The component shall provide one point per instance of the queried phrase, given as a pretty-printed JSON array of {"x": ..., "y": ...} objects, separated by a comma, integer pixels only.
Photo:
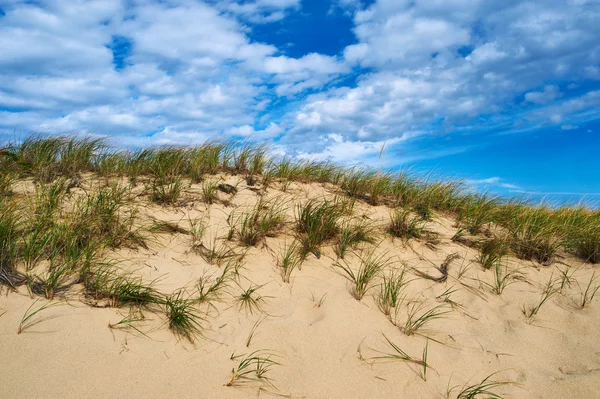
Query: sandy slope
[{"x": 324, "y": 351}]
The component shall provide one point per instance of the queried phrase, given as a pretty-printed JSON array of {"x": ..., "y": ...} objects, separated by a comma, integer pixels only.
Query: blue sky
[{"x": 503, "y": 93}]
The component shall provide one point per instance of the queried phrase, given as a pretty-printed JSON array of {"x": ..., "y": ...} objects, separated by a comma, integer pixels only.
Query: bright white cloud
[{"x": 191, "y": 70}]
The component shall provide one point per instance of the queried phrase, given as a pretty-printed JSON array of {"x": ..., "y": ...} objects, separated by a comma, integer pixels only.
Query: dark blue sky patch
[
  {"x": 314, "y": 29},
  {"x": 2, "y": 12},
  {"x": 121, "y": 48}
]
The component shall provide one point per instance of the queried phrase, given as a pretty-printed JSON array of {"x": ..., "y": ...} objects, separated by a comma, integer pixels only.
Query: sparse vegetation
[
  {"x": 183, "y": 318},
  {"x": 26, "y": 320},
  {"x": 502, "y": 278},
  {"x": 291, "y": 258},
  {"x": 317, "y": 222},
  {"x": 405, "y": 225},
  {"x": 417, "y": 318},
  {"x": 492, "y": 251},
  {"x": 252, "y": 368},
  {"x": 391, "y": 293},
  {"x": 353, "y": 234},
  {"x": 370, "y": 266}
]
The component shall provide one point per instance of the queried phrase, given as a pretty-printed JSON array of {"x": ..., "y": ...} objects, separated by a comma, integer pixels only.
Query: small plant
[
  {"x": 210, "y": 191},
  {"x": 253, "y": 368},
  {"x": 215, "y": 254},
  {"x": 416, "y": 318},
  {"x": 406, "y": 226},
  {"x": 167, "y": 191},
  {"x": 26, "y": 321},
  {"x": 250, "y": 300},
  {"x": 183, "y": 318},
  {"x": 211, "y": 290},
  {"x": 547, "y": 292},
  {"x": 121, "y": 288},
  {"x": 477, "y": 210},
  {"x": 399, "y": 354},
  {"x": 317, "y": 222},
  {"x": 264, "y": 220},
  {"x": 197, "y": 229},
  {"x": 291, "y": 258},
  {"x": 391, "y": 293},
  {"x": 483, "y": 389},
  {"x": 56, "y": 280},
  {"x": 502, "y": 278},
  {"x": 253, "y": 332},
  {"x": 351, "y": 235},
  {"x": 492, "y": 251},
  {"x": 370, "y": 266},
  {"x": 318, "y": 302},
  {"x": 129, "y": 322},
  {"x": 566, "y": 278},
  {"x": 446, "y": 298},
  {"x": 587, "y": 295}
]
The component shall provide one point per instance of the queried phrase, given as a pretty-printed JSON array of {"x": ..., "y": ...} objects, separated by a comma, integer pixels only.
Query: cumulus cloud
[
  {"x": 452, "y": 65},
  {"x": 181, "y": 71}
]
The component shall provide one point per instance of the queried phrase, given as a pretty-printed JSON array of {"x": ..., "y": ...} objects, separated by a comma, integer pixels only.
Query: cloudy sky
[{"x": 504, "y": 93}]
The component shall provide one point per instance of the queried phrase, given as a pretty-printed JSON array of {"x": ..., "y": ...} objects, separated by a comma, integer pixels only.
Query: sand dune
[{"x": 324, "y": 343}]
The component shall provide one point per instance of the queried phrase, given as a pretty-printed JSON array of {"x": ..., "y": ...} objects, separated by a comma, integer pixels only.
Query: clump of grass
[
  {"x": 210, "y": 191},
  {"x": 391, "y": 290},
  {"x": 250, "y": 300},
  {"x": 477, "y": 210},
  {"x": 205, "y": 159},
  {"x": 198, "y": 227},
  {"x": 370, "y": 266},
  {"x": 7, "y": 178},
  {"x": 57, "y": 279},
  {"x": 534, "y": 232},
  {"x": 566, "y": 278},
  {"x": 588, "y": 294},
  {"x": 26, "y": 320},
  {"x": 215, "y": 253},
  {"x": 351, "y": 235},
  {"x": 107, "y": 215},
  {"x": 121, "y": 288},
  {"x": 183, "y": 318},
  {"x": 291, "y": 258},
  {"x": 399, "y": 354},
  {"x": 265, "y": 219},
  {"x": 317, "y": 222},
  {"x": 502, "y": 278},
  {"x": 484, "y": 389},
  {"x": 492, "y": 251},
  {"x": 129, "y": 322},
  {"x": 417, "y": 318},
  {"x": 211, "y": 290},
  {"x": 547, "y": 292},
  {"x": 318, "y": 302},
  {"x": 252, "y": 368},
  {"x": 9, "y": 245},
  {"x": 406, "y": 226},
  {"x": 48, "y": 199},
  {"x": 166, "y": 190},
  {"x": 583, "y": 233}
]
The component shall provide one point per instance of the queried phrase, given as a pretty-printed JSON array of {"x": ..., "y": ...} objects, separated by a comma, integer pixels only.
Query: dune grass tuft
[
  {"x": 370, "y": 266},
  {"x": 184, "y": 319},
  {"x": 405, "y": 225},
  {"x": 253, "y": 368},
  {"x": 317, "y": 222},
  {"x": 417, "y": 318}
]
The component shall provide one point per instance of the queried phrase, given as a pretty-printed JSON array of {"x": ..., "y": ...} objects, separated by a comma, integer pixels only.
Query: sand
[{"x": 325, "y": 341}]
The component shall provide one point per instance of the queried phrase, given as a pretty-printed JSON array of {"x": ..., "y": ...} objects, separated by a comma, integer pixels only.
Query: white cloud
[{"x": 193, "y": 71}]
